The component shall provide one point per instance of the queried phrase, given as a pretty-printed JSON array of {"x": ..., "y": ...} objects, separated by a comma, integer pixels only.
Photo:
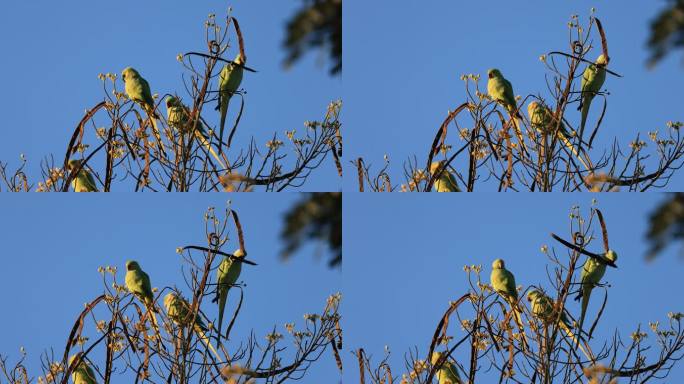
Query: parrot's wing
[
  {"x": 509, "y": 280},
  {"x": 146, "y": 285},
  {"x": 508, "y": 92},
  {"x": 587, "y": 77},
  {"x": 146, "y": 92},
  {"x": 91, "y": 182}
]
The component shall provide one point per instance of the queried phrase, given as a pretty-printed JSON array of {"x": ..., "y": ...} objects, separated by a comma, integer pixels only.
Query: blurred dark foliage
[
  {"x": 318, "y": 24},
  {"x": 317, "y": 217},
  {"x": 666, "y": 224},
  {"x": 667, "y": 31}
]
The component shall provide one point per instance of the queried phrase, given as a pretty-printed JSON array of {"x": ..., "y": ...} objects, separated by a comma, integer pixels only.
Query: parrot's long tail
[
  {"x": 585, "y": 304},
  {"x": 222, "y": 306},
  {"x": 205, "y": 340},
  {"x": 585, "y": 112},
  {"x": 519, "y": 322},
  {"x": 518, "y": 132},
  {"x": 572, "y": 149},
  {"x": 225, "y": 100},
  {"x": 203, "y": 140},
  {"x": 575, "y": 340},
  {"x": 155, "y": 326},
  {"x": 155, "y": 129}
]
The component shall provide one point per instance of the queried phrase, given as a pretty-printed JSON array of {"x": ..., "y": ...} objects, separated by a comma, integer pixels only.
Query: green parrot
[
  {"x": 503, "y": 282},
  {"x": 83, "y": 373},
  {"x": 592, "y": 81},
  {"x": 592, "y": 273},
  {"x": 446, "y": 181},
  {"x": 138, "y": 283},
  {"x": 448, "y": 373},
  {"x": 178, "y": 117},
  {"x": 501, "y": 91},
  {"x": 229, "y": 82},
  {"x": 138, "y": 90},
  {"x": 227, "y": 274},
  {"x": 544, "y": 310},
  {"x": 543, "y": 121},
  {"x": 178, "y": 310},
  {"x": 83, "y": 181}
]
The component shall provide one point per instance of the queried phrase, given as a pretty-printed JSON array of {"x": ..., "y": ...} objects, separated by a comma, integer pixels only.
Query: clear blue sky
[
  {"x": 406, "y": 253},
  {"x": 403, "y": 66},
  {"x": 51, "y": 255},
  {"x": 54, "y": 52}
]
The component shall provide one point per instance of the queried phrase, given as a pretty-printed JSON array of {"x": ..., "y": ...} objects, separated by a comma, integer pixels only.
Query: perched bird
[
  {"x": 503, "y": 282},
  {"x": 543, "y": 121},
  {"x": 226, "y": 276},
  {"x": 138, "y": 283},
  {"x": 544, "y": 310},
  {"x": 592, "y": 273},
  {"x": 501, "y": 91},
  {"x": 84, "y": 180},
  {"x": 448, "y": 373},
  {"x": 178, "y": 117},
  {"x": 138, "y": 90},
  {"x": 592, "y": 81},
  {"x": 446, "y": 181},
  {"x": 83, "y": 373},
  {"x": 229, "y": 82},
  {"x": 178, "y": 310}
]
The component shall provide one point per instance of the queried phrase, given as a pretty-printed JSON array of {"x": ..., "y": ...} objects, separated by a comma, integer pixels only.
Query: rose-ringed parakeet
[
  {"x": 544, "y": 310},
  {"x": 592, "y": 273},
  {"x": 543, "y": 121},
  {"x": 503, "y": 282},
  {"x": 501, "y": 91},
  {"x": 178, "y": 310},
  {"x": 448, "y": 373},
  {"x": 178, "y": 117},
  {"x": 229, "y": 82},
  {"x": 83, "y": 373},
  {"x": 446, "y": 181},
  {"x": 84, "y": 180},
  {"x": 138, "y": 283},
  {"x": 227, "y": 274},
  {"x": 138, "y": 90},
  {"x": 592, "y": 81}
]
